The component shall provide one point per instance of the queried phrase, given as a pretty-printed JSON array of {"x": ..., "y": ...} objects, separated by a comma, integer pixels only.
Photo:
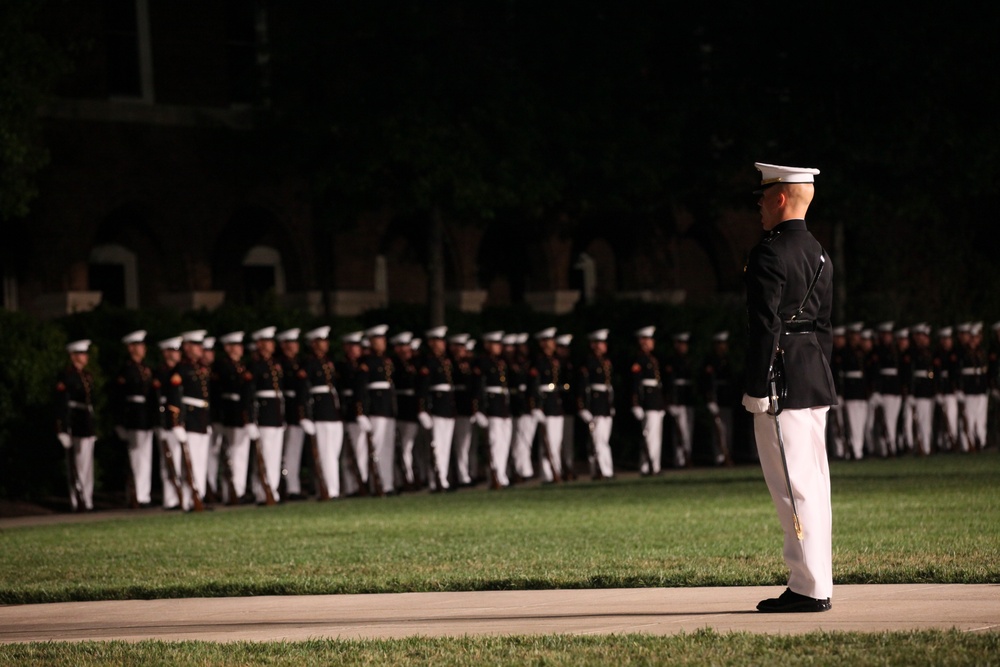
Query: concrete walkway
[{"x": 660, "y": 611}]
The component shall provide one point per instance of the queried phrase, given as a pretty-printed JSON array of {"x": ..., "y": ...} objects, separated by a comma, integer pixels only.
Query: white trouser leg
[
  {"x": 291, "y": 459},
  {"x": 238, "y": 458},
  {"x": 140, "y": 457},
  {"x": 408, "y": 437},
  {"x": 568, "y": 441},
  {"x": 925, "y": 416},
  {"x": 350, "y": 467},
  {"x": 197, "y": 448},
  {"x": 384, "y": 442},
  {"x": 271, "y": 443},
  {"x": 524, "y": 434},
  {"x": 500, "y": 432},
  {"x": 329, "y": 441},
  {"x": 950, "y": 408},
  {"x": 82, "y": 460},
  {"x": 810, "y": 561},
  {"x": 169, "y": 443},
  {"x": 652, "y": 426},
  {"x": 857, "y": 417},
  {"x": 602, "y": 446},
  {"x": 214, "y": 457},
  {"x": 553, "y": 456},
  {"x": 441, "y": 436},
  {"x": 891, "y": 406},
  {"x": 976, "y": 410},
  {"x": 461, "y": 444}
]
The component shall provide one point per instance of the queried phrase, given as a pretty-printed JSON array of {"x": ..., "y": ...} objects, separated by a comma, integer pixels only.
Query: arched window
[
  {"x": 263, "y": 272},
  {"x": 113, "y": 271}
]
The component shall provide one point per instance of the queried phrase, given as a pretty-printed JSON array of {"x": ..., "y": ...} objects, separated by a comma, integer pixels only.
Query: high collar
[{"x": 797, "y": 224}]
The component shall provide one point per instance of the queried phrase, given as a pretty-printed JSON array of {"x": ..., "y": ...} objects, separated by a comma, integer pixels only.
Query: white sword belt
[
  {"x": 648, "y": 382},
  {"x": 406, "y": 392},
  {"x": 888, "y": 371},
  {"x": 135, "y": 398},
  {"x": 440, "y": 387},
  {"x": 267, "y": 393},
  {"x": 979, "y": 370},
  {"x": 547, "y": 388},
  {"x": 230, "y": 397},
  {"x": 194, "y": 402},
  {"x": 77, "y": 405},
  {"x": 379, "y": 385},
  {"x": 497, "y": 390},
  {"x": 598, "y": 387},
  {"x": 854, "y": 375},
  {"x": 290, "y": 393},
  {"x": 921, "y": 374}
]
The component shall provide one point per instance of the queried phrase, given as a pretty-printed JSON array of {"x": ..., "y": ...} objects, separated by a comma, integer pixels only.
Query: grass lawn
[{"x": 895, "y": 521}]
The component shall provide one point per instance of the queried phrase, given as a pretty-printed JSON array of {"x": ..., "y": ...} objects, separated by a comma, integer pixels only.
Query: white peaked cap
[
  {"x": 549, "y": 332},
  {"x": 921, "y": 328},
  {"x": 855, "y": 327},
  {"x": 771, "y": 174},
  {"x": 682, "y": 337},
  {"x": 976, "y": 328},
  {"x": 402, "y": 338},
  {"x": 509, "y": 339},
  {"x": 171, "y": 343},
  {"x": 886, "y": 326},
  {"x": 839, "y": 330},
  {"x": 459, "y": 339},
  {"x": 195, "y": 336},
  {"x": 645, "y": 332},
  {"x": 78, "y": 345},
  {"x": 564, "y": 340},
  {"x": 493, "y": 336},
  {"x": 135, "y": 337},
  {"x": 944, "y": 332},
  {"x": 436, "y": 332},
  {"x": 232, "y": 338},
  {"x": 377, "y": 330},
  {"x": 353, "y": 337},
  {"x": 289, "y": 334},
  {"x": 209, "y": 342},
  {"x": 903, "y": 333},
  {"x": 322, "y": 332},
  {"x": 415, "y": 344},
  {"x": 599, "y": 334},
  {"x": 470, "y": 344},
  {"x": 720, "y": 336},
  {"x": 267, "y": 333},
  {"x": 522, "y": 338}
]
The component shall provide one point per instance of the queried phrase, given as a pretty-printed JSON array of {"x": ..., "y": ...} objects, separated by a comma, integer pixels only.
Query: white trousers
[
  {"x": 384, "y": 443},
  {"x": 461, "y": 447},
  {"x": 683, "y": 417},
  {"x": 568, "y": 444},
  {"x": 237, "y": 453},
  {"x": 652, "y": 429},
  {"x": 271, "y": 443},
  {"x": 329, "y": 442},
  {"x": 291, "y": 459},
  {"x": 925, "y": 420},
  {"x": 441, "y": 437},
  {"x": 140, "y": 458},
  {"x": 551, "y": 457},
  {"x": 949, "y": 405},
  {"x": 353, "y": 470},
  {"x": 976, "y": 409},
  {"x": 857, "y": 419},
  {"x": 809, "y": 561},
  {"x": 80, "y": 467},
  {"x": 524, "y": 434},
  {"x": 171, "y": 498},
  {"x": 885, "y": 445},
  {"x": 408, "y": 438},
  {"x": 216, "y": 437},
  {"x": 602, "y": 462},
  {"x": 500, "y": 434},
  {"x": 197, "y": 449}
]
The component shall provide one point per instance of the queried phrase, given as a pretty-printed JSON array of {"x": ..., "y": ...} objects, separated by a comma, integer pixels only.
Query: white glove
[
  {"x": 481, "y": 420},
  {"x": 995, "y": 393},
  {"x": 939, "y": 399},
  {"x": 364, "y": 423},
  {"x": 638, "y": 413},
  {"x": 713, "y": 407},
  {"x": 121, "y": 432},
  {"x": 65, "y": 440},
  {"x": 180, "y": 433},
  {"x": 308, "y": 425},
  {"x": 208, "y": 431},
  {"x": 755, "y": 405},
  {"x": 586, "y": 416},
  {"x": 425, "y": 421},
  {"x": 675, "y": 411},
  {"x": 875, "y": 399},
  {"x": 253, "y": 431},
  {"x": 538, "y": 415},
  {"x": 960, "y": 395}
]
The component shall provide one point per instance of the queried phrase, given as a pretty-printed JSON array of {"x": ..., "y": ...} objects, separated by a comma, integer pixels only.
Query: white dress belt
[
  {"x": 135, "y": 398},
  {"x": 406, "y": 392},
  {"x": 379, "y": 385},
  {"x": 547, "y": 388},
  {"x": 290, "y": 393},
  {"x": 650, "y": 382},
  {"x": 231, "y": 397},
  {"x": 440, "y": 387},
  {"x": 921, "y": 374},
  {"x": 598, "y": 387},
  {"x": 888, "y": 371},
  {"x": 266, "y": 393},
  {"x": 854, "y": 375},
  {"x": 320, "y": 389},
  {"x": 976, "y": 370},
  {"x": 194, "y": 402},
  {"x": 497, "y": 390},
  {"x": 77, "y": 405}
]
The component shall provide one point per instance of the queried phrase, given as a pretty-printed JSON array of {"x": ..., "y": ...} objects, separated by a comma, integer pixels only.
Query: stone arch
[{"x": 125, "y": 262}]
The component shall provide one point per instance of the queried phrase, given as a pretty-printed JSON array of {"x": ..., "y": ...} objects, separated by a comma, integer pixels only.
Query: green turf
[
  {"x": 699, "y": 648},
  {"x": 895, "y": 521}
]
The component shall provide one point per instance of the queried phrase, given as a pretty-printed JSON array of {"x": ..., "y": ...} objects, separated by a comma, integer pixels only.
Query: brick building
[{"x": 150, "y": 198}]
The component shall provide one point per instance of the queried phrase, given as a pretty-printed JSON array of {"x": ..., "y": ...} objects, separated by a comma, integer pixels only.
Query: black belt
[{"x": 798, "y": 326}]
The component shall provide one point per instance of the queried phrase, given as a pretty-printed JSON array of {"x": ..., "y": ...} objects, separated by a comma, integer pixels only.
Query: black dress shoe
[{"x": 790, "y": 602}]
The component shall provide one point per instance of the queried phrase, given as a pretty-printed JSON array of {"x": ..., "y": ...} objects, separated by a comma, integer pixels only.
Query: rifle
[
  {"x": 168, "y": 458},
  {"x": 548, "y": 453},
  {"x": 595, "y": 473},
  {"x": 189, "y": 478},
  {"x": 720, "y": 432},
  {"x": 133, "y": 500},
  {"x": 494, "y": 478},
  {"x": 355, "y": 467},
  {"x": 322, "y": 492},
  {"x": 374, "y": 474},
  {"x": 227, "y": 473},
  {"x": 963, "y": 419},
  {"x": 915, "y": 425},
  {"x": 262, "y": 473},
  {"x": 688, "y": 462}
]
